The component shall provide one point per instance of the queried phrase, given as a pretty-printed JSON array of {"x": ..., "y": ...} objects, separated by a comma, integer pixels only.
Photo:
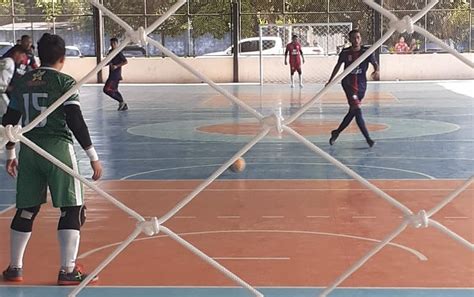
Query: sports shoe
[
  {"x": 370, "y": 142},
  {"x": 74, "y": 278},
  {"x": 334, "y": 136},
  {"x": 12, "y": 274},
  {"x": 292, "y": 85},
  {"x": 122, "y": 106}
]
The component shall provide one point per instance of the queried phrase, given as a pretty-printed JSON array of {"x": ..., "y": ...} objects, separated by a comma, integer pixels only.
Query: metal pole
[
  {"x": 377, "y": 29},
  {"x": 235, "y": 38},
  {"x": 260, "y": 45},
  {"x": 98, "y": 38}
]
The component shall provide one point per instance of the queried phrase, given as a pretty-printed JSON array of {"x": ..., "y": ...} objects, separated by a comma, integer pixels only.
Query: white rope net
[{"x": 422, "y": 219}]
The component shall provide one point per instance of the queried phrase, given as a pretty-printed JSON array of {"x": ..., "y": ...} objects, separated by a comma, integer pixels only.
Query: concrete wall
[{"x": 219, "y": 69}]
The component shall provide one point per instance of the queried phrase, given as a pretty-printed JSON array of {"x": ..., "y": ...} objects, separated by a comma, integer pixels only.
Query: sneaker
[
  {"x": 334, "y": 136},
  {"x": 301, "y": 85},
  {"x": 122, "y": 106},
  {"x": 13, "y": 274},
  {"x": 292, "y": 85},
  {"x": 73, "y": 278},
  {"x": 370, "y": 142}
]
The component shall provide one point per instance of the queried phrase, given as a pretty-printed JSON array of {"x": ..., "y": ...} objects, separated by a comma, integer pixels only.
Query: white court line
[
  {"x": 456, "y": 218},
  {"x": 264, "y": 287},
  {"x": 228, "y": 217},
  {"x": 318, "y": 217},
  {"x": 364, "y": 217},
  {"x": 265, "y": 189},
  {"x": 251, "y": 258},
  {"x": 7, "y": 209},
  {"x": 416, "y": 253},
  {"x": 293, "y": 163},
  {"x": 184, "y": 217}
]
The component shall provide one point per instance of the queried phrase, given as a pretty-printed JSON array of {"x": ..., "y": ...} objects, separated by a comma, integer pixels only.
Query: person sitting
[{"x": 401, "y": 47}]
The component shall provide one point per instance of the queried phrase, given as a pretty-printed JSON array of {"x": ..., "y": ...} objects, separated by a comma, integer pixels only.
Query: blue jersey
[
  {"x": 355, "y": 83},
  {"x": 116, "y": 74}
]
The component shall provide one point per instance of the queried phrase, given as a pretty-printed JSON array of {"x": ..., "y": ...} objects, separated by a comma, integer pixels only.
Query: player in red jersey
[{"x": 296, "y": 56}]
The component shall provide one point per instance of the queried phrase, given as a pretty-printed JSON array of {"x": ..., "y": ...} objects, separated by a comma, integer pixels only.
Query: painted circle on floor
[{"x": 316, "y": 130}]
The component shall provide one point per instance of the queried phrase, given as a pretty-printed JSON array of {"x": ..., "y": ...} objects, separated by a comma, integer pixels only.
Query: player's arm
[
  {"x": 123, "y": 62},
  {"x": 11, "y": 117},
  {"x": 75, "y": 122},
  {"x": 301, "y": 53},
  {"x": 7, "y": 69},
  {"x": 286, "y": 54}
]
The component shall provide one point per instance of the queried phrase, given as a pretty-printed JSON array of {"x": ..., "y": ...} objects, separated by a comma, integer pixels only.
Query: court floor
[{"x": 291, "y": 222}]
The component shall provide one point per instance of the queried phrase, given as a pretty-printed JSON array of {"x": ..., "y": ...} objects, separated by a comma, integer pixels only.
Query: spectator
[
  {"x": 401, "y": 47},
  {"x": 414, "y": 46}
]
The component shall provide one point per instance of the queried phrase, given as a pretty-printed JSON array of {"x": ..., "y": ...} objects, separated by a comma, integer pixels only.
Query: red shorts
[{"x": 295, "y": 67}]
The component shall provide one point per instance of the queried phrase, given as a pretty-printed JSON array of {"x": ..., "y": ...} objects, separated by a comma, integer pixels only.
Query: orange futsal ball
[{"x": 238, "y": 166}]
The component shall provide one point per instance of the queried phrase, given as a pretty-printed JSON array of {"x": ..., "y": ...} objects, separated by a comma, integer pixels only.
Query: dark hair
[
  {"x": 352, "y": 32},
  {"x": 294, "y": 36},
  {"x": 17, "y": 49},
  {"x": 114, "y": 39},
  {"x": 51, "y": 48},
  {"x": 23, "y": 37}
]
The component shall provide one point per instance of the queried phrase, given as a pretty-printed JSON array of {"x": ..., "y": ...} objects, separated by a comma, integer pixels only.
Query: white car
[
  {"x": 4, "y": 47},
  {"x": 272, "y": 45},
  {"x": 73, "y": 51},
  {"x": 250, "y": 46}
]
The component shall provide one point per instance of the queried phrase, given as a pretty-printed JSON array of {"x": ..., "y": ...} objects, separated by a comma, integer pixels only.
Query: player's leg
[
  {"x": 360, "y": 120},
  {"x": 348, "y": 90},
  {"x": 300, "y": 74},
  {"x": 122, "y": 105},
  {"x": 111, "y": 89},
  {"x": 292, "y": 74},
  {"x": 67, "y": 194},
  {"x": 31, "y": 193}
]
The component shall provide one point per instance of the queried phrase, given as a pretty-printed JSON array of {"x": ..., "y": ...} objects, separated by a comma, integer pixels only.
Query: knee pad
[
  {"x": 72, "y": 217},
  {"x": 23, "y": 219}
]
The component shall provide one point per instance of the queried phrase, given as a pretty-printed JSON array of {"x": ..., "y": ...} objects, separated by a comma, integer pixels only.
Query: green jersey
[{"x": 34, "y": 93}]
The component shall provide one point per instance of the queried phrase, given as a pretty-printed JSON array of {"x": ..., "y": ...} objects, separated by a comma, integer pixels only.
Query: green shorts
[{"x": 36, "y": 174}]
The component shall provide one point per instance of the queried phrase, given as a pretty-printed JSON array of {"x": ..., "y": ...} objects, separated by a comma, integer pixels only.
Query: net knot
[
  {"x": 420, "y": 220},
  {"x": 10, "y": 134},
  {"x": 138, "y": 37},
  {"x": 151, "y": 227},
  {"x": 404, "y": 25},
  {"x": 274, "y": 121}
]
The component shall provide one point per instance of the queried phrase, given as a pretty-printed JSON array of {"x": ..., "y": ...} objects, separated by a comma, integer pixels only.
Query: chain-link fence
[
  {"x": 316, "y": 39},
  {"x": 204, "y": 27}
]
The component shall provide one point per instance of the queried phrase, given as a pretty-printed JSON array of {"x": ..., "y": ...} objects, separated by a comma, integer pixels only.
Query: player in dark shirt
[
  {"x": 28, "y": 63},
  {"x": 115, "y": 76},
  {"x": 354, "y": 84}
]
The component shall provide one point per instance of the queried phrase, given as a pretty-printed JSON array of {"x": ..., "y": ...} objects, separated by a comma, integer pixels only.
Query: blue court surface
[
  {"x": 423, "y": 131},
  {"x": 233, "y": 292}
]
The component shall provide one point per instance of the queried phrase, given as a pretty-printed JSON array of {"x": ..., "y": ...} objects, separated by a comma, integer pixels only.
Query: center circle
[{"x": 303, "y": 127}]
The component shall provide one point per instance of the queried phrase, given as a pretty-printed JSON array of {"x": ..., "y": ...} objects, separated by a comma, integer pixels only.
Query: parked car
[
  {"x": 272, "y": 45},
  {"x": 4, "y": 47},
  {"x": 431, "y": 47},
  {"x": 73, "y": 51},
  {"x": 134, "y": 51}
]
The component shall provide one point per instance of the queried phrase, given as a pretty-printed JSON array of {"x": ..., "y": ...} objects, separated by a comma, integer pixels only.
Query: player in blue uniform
[
  {"x": 115, "y": 76},
  {"x": 354, "y": 84}
]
